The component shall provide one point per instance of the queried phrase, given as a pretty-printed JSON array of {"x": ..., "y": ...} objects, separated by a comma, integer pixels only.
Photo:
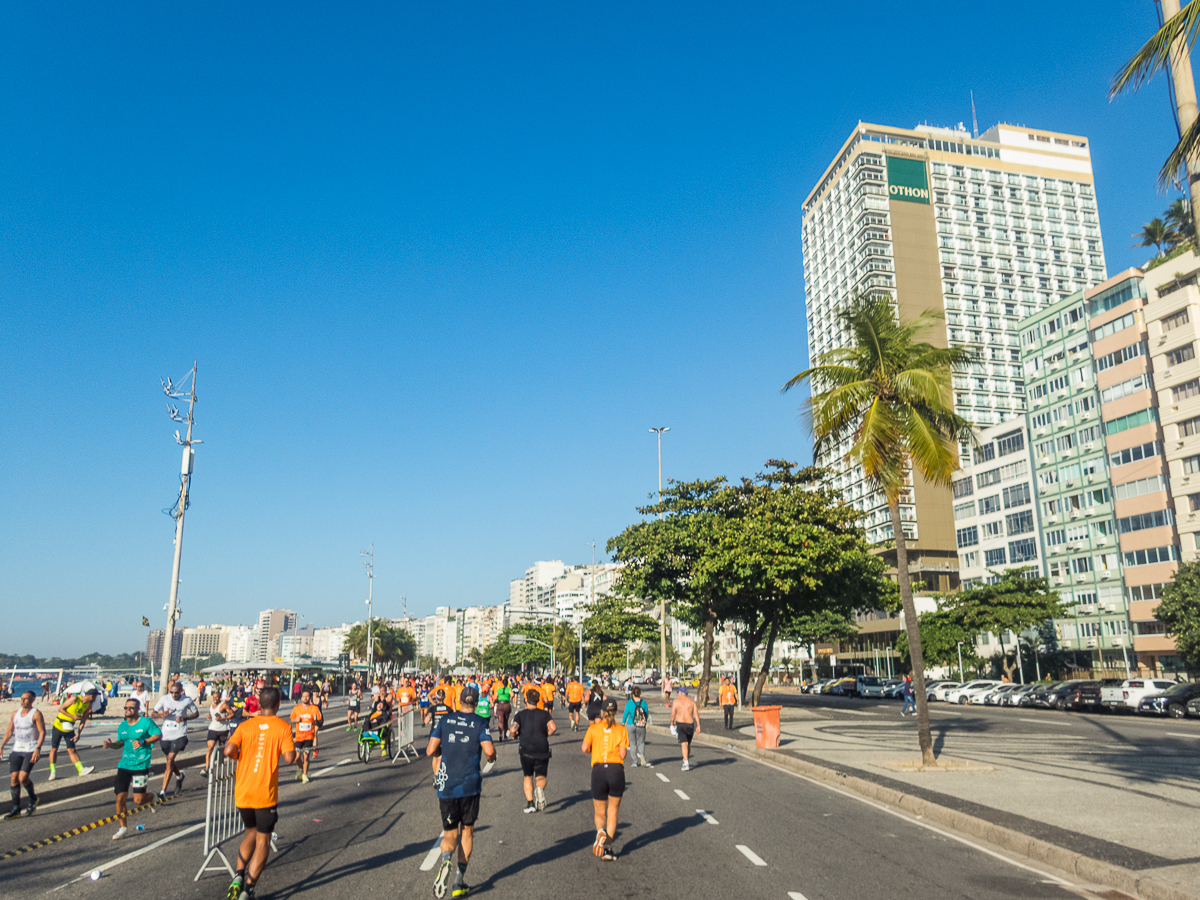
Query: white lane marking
[
  {"x": 321, "y": 772},
  {"x": 1046, "y": 722},
  {"x": 751, "y": 855},
  {"x": 796, "y": 895},
  {"x": 708, "y": 817},
  {"x": 681, "y": 794},
  {"x": 104, "y": 867},
  {"x": 921, "y": 824},
  {"x": 945, "y": 712},
  {"x": 663, "y": 778},
  {"x": 431, "y": 857},
  {"x": 1180, "y": 734},
  {"x": 106, "y": 790}
]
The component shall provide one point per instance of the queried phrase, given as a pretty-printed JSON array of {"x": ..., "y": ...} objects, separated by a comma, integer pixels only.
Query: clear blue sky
[{"x": 442, "y": 266}]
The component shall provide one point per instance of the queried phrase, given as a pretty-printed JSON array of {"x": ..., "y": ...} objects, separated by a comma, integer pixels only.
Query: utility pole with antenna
[
  {"x": 974, "y": 119},
  {"x": 174, "y": 392},
  {"x": 369, "y": 565},
  {"x": 662, "y": 602}
]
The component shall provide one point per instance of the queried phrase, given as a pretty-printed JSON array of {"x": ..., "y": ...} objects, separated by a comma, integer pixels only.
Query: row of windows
[
  {"x": 1140, "y": 487},
  {"x": 1082, "y": 565},
  {"x": 1070, "y": 472},
  {"x": 1069, "y": 441},
  {"x": 1151, "y": 556},
  {"x": 1133, "y": 420},
  {"x": 1018, "y": 552},
  {"x": 1085, "y": 500},
  {"x": 1175, "y": 320},
  {"x": 1119, "y": 356},
  {"x": 1156, "y": 519},
  {"x": 1137, "y": 383},
  {"x": 1186, "y": 390},
  {"x": 1133, "y": 454},
  {"x": 1181, "y": 354},
  {"x": 1126, "y": 321},
  {"x": 1189, "y": 427}
]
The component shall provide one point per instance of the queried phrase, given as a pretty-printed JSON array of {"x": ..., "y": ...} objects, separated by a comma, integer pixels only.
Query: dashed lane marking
[
  {"x": 663, "y": 778},
  {"x": 708, "y": 817},
  {"x": 796, "y": 895},
  {"x": 681, "y": 794},
  {"x": 1046, "y": 722},
  {"x": 321, "y": 772},
  {"x": 751, "y": 855},
  {"x": 431, "y": 857},
  {"x": 1181, "y": 734}
]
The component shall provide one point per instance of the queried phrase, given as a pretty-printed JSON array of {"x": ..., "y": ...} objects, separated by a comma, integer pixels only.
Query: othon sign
[{"x": 907, "y": 180}]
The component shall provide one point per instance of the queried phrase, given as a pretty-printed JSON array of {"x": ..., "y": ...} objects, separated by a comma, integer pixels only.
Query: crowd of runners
[{"x": 466, "y": 718}]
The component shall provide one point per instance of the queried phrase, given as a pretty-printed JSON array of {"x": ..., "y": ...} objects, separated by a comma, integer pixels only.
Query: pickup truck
[{"x": 1130, "y": 692}]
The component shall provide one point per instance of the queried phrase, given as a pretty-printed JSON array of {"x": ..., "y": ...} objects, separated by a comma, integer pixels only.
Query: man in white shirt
[
  {"x": 174, "y": 709},
  {"x": 141, "y": 695}
]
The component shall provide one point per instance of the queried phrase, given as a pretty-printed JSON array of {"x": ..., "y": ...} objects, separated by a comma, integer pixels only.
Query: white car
[
  {"x": 1131, "y": 692},
  {"x": 967, "y": 692},
  {"x": 939, "y": 690}
]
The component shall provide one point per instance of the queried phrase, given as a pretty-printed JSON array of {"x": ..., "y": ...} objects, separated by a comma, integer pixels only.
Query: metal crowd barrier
[
  {"x": 404, "y": 731},
  {"x": 221, "y": 817}
]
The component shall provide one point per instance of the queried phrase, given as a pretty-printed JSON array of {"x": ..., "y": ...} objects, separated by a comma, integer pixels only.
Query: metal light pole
[
  {"x": 662, "y": 601},
  {"x": 181, "y": 504},
  {"x": 960, "y": 666},
  {"x": 369, "y": 565}
]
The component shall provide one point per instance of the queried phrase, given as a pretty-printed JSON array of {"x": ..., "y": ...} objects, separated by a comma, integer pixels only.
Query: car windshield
[
  {"x": 1177, "y": 689},
  {"x": 870, "y": 681}
]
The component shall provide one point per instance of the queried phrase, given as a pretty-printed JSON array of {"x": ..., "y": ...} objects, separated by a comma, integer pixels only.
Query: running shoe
[
  {"x": 33, "y": 804},
  {"x": 161, "y": 795},
  {"x": 204, "y": 773},
  {"x": 685, "y": 766},
  {"x": 539, "y": 798},
  {"x": 598, "y": 846},
  {"x": 178, "y": 782},
  {"x": 235, "y": 888},
  {"x": 53, "y": 776},
  {"x": 609, "y": 853},
  {"x": 460, "y": 890},
  {"x": 529, "y": 807},
  {"x": 442, "y": 880},
  {"x": 120, "y": 833},
  {"x": 305, "y": 779},
  {"x": 86, "y": 770},
  {"x": 16, "y": 812},
  {"x": 299, "y": 775}
]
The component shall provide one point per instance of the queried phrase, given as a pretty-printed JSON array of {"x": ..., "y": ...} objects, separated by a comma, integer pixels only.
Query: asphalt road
[{"x": 730, "y": 827}]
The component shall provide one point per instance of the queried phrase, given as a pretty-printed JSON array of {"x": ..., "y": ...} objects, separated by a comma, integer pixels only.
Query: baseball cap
[
  {"x": 470, "y": 694},
  {"x": 610, "y": 703},
  {"x": 681, "y": 690}
]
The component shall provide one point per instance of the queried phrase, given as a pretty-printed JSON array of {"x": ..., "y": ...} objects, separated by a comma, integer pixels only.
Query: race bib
[
  {"x": 138, "y": 782},
  {"x": 305, "y": 726}
]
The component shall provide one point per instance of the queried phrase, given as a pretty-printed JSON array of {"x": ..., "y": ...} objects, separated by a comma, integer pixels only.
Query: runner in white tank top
[{"x": 27, "y": 730}]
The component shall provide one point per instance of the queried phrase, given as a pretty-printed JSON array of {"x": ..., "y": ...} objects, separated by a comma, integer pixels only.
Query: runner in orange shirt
[
  {"x": 257, "y": 745},
  {"x": 547, "y": 692},
  {"x": 607, "y": 741},
  {"x": 574, "y": 702},
  {"x": 406, "y": 695},
  {"x": 307, "y": 720},
  {"x": 727, "y": 697}
]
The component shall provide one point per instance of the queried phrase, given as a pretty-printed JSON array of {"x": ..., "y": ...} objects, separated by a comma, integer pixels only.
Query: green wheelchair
[{"x": 377, "y": 738}]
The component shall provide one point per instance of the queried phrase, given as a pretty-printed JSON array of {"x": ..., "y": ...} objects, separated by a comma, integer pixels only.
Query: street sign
[
  {"x": 344, "y": 661},
  {"x": 517, "y": 639}
]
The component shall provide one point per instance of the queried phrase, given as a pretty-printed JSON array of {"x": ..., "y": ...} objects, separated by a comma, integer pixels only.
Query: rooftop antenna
[{"x": 974, "y": 119}]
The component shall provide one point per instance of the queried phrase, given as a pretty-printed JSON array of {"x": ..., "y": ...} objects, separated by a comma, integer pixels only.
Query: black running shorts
[
  {"x": 531, "y": 767},
  {"x": 219, "y": 736},
  {"x": 176, "y": 746},
  {"x": 304, "y": 746},
  {"x": 459, "y": 811},
  {"x": 574, "y": 707},
  {"x": 686, "y": 731},
  {"x": 20, "y": 762},
  {"x": 59, "y": 736},
  {"x": 608, "y": 780},
  {"x": 138, "y": 779},
  {"x": 261, "y": 820}
]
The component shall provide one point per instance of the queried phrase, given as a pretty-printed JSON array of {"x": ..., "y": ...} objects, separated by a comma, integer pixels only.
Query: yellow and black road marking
[{"x": 74, "y": 831}]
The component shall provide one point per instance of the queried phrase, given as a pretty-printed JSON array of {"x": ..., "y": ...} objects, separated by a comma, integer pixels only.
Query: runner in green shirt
[{"x": 134, "y": 735}]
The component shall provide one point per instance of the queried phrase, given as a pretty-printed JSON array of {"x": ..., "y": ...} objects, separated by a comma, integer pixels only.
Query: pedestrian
[
  {"x": 27, "y": 730},
  {"x": 175, "y": 710},
  {"x": 220, "y": 719},
  {"x": 458, "y": 741},
  {"x": 532, "y": 728},
  {"x": 595, "y": 702},
  {"x": 307, "y": 719},
  {"x": 608, "y": 742},
  {"x": 134, "y": 737},
  {"x": 666, "y": 690},
  {"x": 636, "y": 717},
  {"x": 686, "y": 719},
  {"x": 727, "y": 697},
  {"x": 910, "y": 700},
  {"x": 141, "y": 695},
  {"x": 574, "y": 693},
  {"x": 73, "y": 714},
  {"x": 257, "y": 745},
  {"x": 352, "y": 704}
]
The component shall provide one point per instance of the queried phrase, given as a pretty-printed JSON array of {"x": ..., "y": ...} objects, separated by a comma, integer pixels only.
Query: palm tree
[
  {"x": 1178, "y": 218},
  {"x": 890, "y": 396},
  {"x": 1153, "y": 234},
  {"x": 563, "y": 640},
  {"x": 1170, "y": 47},
  {"x": 475, "y": 659},
  {"x": 786, "y": 662}
]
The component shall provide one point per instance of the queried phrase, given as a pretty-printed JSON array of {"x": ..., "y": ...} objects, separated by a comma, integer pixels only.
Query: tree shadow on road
[
  {"x": 564, "y": 847},
  {"x": 667, "y": 829}
]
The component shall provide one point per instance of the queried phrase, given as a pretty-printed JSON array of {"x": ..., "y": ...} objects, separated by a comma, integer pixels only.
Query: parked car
[
  {"x": 894, "y": 689},
  {"x": 1131, "y": 691},
  {"x": 963, "y": 693},
  {"x": 939, "y": 691},
  {"x": 1193, "y": 707},
  {"x": 847, "y": 687},
  {"x": 870, "y": 685},
  {"x": 1171, "y": 702},
  {"x": 995, "y": 696},
  {"x": 1054, "y": 696},
  {"x": 1083, "y": 695},
  {"x": 1017, "y": 694}
]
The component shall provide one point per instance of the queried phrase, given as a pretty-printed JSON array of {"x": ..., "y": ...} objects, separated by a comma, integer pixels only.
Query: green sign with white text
[{"x": 907, "y": 180}]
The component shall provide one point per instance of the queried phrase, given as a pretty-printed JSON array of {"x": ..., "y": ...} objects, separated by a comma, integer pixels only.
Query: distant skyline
[{"x": 442, "y": 267}]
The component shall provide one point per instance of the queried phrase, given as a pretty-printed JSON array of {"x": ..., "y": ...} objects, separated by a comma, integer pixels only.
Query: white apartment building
[
  {"x": 295, "y": 644},
  {"x": 242, "y": 641},
  {"x": 270, "y": 623},
  {"x": 327, "y": 642}
]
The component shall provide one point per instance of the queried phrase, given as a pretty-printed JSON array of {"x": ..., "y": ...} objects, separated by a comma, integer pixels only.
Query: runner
[
  {"x": 532, "y": 728},
  {"x": 307, "y": 718},
  {"x": 727, "y": 697},
  {"x": 220, "y": 719},
  {"x": 355, "y": 699},
  {"x": 27, "y": 730},
  {"x": 457, "y": 742},
  {"x": 686, "y": 719},
  {"x": 503, "y": 705},
  {"x": 141, "y": 695},
  {"x": 608, "y": 742},
  {"x": 636, "y": 716},
  {"x": 483, "y": 708},
  {"x": 134, "y": 737},
  {"x": 666, "y": 690},
  {"x": 73, "y": 714},
  {"x": 439, "y": 709},
  {"x": 424, "y": 702},
  {"x": 257, "y": 745},
  {"x": 175, "y": 710},
  {"x": 547, "y": 690},
  {"x": 574, "y": 702},
  {"x": 595, "y": 702}
]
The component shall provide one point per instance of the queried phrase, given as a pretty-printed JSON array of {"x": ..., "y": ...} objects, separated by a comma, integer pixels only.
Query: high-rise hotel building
[{"x": 991, "y": 230}]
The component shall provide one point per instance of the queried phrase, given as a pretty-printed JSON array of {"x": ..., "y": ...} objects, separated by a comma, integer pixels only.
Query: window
[
  {"x": 1009, "y": 443},
  {"x": 1046, "y": 448},
  {"x": 1151, "y": 556},
  {"x": 983, "y": 479},
  {"x": 1147, "y": 592},
  {"x": 1056, "y": 537},
  {"x": 994, "y": 557},
  {"x": 1156, "y": 519},
  {"x": 1091, "y": 433},
  {"x": 1114, "y": 326},
  {"x": 1133, "y": 420},
  {"x": 1119, "y": 356},
  {"x": 1081, "y": 565},
  {"x": 1017, "y": 495},
  {"x": 1013, "y": 470},
  {"x": 1084, "y": 404},
  {"x": 963, "y": 487},
  {"x": 1064, "y": 443},
  {"x": 967, "y": 537},
  {"x": 1190, "y": 427},
  {"x": 1181, "y": 354},
  {"x": 964, "y": 509},
  {"x": 993, "y": 529},
  {"x": 989, "y": 505},
  {"x": 1191, "y": 465},
  {"x": 1022, "y": 550},
  {"x": 1140, "y": 487},
  {"x": 1125, "y": 388},
  {"x": 1186, "y": 390},
  {"x": 1019, "y": 523},
  {"x": 1133, "y": 454},
  {"x": 1193, "y": 502},
  {"x": 986, "y": 453},
  {"x": 1173, "y": 321}
]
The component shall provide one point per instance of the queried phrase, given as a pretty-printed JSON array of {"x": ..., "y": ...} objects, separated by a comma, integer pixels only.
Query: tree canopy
[{"x": 1179, "y": 611}]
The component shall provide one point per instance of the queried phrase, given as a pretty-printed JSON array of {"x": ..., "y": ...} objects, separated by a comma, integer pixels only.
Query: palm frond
[
  {"x": 1155, "y": 54},
  {"x": 1187, "y": 150}
]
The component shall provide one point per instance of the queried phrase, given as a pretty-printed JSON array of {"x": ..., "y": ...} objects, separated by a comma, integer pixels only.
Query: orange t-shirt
[
  {"x": 407, "y": 696},
  {"x": 452, "y": 691},
  {"x": 547, "y": 690},
  {"x": 606, "y": 743},
  {"x": 728, "y": 695},
  {"x": 574, "y": 692},
  {"x": 307, "y": 718},
  {"x": 261, "y": 741}
]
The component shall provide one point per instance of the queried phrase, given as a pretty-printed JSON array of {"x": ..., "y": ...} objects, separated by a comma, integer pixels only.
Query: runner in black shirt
[
  {"x": 438, "y": 707},
  {"x": 532, "y": 728}
]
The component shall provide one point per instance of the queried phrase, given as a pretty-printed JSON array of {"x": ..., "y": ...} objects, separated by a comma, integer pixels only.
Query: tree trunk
[
  {"x": 751, "y": 640},
  {"x": 706, "y": 674},
  {"x": 1185, "y": 104},
  {"x": 924, "y": 736},
  {"x": 766, "y": 666}
]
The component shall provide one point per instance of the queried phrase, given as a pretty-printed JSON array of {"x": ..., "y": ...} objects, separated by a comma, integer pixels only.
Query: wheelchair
[{"x": 378, "y": 738}]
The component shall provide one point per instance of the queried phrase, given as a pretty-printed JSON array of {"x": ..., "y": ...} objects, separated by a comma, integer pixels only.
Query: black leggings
[{"x": 503, "y": 711}]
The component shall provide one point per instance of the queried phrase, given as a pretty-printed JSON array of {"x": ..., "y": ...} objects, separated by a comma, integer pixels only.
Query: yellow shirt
[{"x": 606, "y": 743}]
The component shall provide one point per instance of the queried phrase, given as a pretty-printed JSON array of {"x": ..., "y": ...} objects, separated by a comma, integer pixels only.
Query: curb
[{"x": 1088, "y": 870}]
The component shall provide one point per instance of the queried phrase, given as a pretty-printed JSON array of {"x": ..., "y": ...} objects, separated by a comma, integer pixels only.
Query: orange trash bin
[{"x": 766, "y": 725}]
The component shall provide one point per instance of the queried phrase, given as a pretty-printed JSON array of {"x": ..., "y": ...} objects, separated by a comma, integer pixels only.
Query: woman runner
[
  {"x": 607, "y": 741},
  {"x": 594, "y": 702},
  {"x": 503, "y": 706}
]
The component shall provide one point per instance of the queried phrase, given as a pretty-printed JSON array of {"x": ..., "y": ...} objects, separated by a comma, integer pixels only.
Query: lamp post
[
  {"x": 662, "y": 601},
  {"x": 960, "y": 666},
  {"x": 369, "y": 565}
]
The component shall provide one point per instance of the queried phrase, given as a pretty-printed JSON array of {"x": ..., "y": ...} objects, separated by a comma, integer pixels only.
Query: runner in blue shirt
[
  {"x": 134, "y": 735},
  {"x": 458, "y": 741}
]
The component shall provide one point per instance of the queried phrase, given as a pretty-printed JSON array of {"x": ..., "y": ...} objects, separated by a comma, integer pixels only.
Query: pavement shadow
[
  {"x": 667, "y": 829},
  {"x": 367, "y": 864},
  {"x": 568, "y": 801},
  {"x": 562, "y": 847}
]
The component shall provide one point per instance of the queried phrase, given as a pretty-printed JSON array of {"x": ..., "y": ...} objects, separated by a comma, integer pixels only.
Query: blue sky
[{"x": 442, "y": 266}]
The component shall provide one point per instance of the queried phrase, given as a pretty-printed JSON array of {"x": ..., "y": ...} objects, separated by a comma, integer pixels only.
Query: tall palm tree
[
  {"x": 1178, "y": 219},
  {"x": 1154, "y": 234},
  {"x": 563, "y": 640},
  {"x": 1170, "y": 47},
  {"x": 890, "y": 396}
]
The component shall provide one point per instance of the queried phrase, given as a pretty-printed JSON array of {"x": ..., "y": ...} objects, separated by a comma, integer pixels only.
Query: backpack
[{"x": 641, "y": 714}]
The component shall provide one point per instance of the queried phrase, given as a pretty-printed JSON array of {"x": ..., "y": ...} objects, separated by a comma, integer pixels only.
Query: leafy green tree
[
  {"x": 1154, "y": 233},
  {"x": 565, "y": 641},
  {"x": 612, "y": 624},
  {"x": 1178, "y": 218},
  {"x": 941, "y": 632},
  {"x": 890, "y": 397},
  {"x": 822, "y": 626},
  {"x": 504, "y": 656},
  {"x": 1179, "y": 611}
]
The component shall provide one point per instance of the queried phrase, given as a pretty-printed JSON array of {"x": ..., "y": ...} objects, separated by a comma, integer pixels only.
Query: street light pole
[
  {"x": 960, "y": 666},
  {"x": 369, "y": 565},
  {"x": 662, "y": 601}
]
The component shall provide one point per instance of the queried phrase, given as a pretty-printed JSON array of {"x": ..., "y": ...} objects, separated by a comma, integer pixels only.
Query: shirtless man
[{"x": 686, "y": 719}]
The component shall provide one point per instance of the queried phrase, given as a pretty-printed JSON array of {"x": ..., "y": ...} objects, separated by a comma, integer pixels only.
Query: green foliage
[
  {"x": 612, "y": 624},
  {"x": 103, "y": 660},
  {"x": 1014, "y": 603},
  {"x": 1179, "y": 611},
  {"x": 505, "y": 656},
  {"x": 394, "y": 647},
  {"x": 1154, "y": 234},
  {"x": 940, "y": 633}
]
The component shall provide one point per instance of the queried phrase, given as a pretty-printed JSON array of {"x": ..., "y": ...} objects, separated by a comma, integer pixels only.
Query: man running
[
  {"x": 727, "y": 697},
  {"x": 457, "y": 742},
  {"x": 134, "y": 737},
  {"x": 547, "y": 690},
  {"x": 574, "y": 702},
  {"x": 686, "y": 719},
  {"x": 73, "y": 714},
  {"x": 306, "y": 717},
  {"x": 220, "y": 718},
  {"x": 353, "y": 702},
  {"x": 257, "y": 745},
  {"x": 532, "y": 728},
  {"x": 27, "y": 730},
  {"x": 438, "y": 710},
  {"x": 175, "y": 710}
]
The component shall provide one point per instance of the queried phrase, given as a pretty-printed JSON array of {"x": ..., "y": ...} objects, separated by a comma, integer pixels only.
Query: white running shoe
[
  {"x": 120, "y": 833},
  {"x": 53, "y": 776},
  {"x": 685, "y": 766},
  {"x": 86, "y": 770},
  {"x": 539, "y": 798}
]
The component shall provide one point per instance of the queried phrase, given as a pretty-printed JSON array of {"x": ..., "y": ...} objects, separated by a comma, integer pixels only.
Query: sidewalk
[{"x": 1130, "y": 807}]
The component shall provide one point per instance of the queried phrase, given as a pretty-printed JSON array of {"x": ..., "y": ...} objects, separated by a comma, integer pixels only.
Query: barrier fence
[
  {"x": 404, "y": 730},
  {"x": 222, "y": 820}
]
